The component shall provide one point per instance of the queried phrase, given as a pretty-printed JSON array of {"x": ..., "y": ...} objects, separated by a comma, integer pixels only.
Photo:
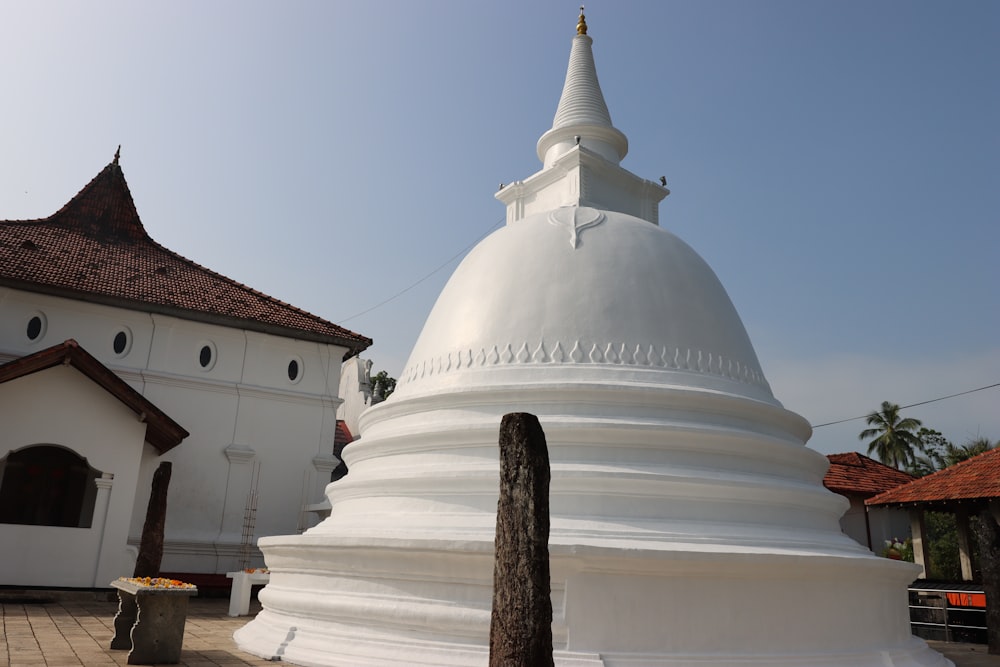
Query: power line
[
  {"x": 912, "y": 405},
  {"x": 444, "y": 264}
]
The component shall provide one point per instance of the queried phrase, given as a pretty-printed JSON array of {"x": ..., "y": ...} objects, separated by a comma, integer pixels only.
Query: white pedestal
[{"x": 243, "y": 582}]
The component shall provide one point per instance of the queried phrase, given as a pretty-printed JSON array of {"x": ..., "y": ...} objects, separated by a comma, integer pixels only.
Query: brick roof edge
[
  {"x": 354, "y": 347},
  {"x": 161, "y": 431},
  {"x": 874, "y": 475},
  {"x": 120, "y": 219},
  {"x": 935, "y": 486}
]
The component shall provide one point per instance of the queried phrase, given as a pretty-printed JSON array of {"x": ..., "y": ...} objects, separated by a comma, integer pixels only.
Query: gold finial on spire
[{"x": 581, "y": 25}]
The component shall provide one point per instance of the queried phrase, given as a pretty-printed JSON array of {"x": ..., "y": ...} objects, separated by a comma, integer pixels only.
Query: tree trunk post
[
  {"x": 147, "y": 564},
  {"x": 988, "y": 533},
  {"x": 521, "y": 623}
]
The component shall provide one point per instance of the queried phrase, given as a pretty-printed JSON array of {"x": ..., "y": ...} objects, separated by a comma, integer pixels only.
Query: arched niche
[{"x": 47, "y": 485}]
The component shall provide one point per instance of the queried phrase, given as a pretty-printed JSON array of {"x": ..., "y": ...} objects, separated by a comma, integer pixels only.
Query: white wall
[
  {"x": 884, "y": 524},
  {"x": 240, "y": 411},
  {"x": 888, "y": 524},
  {"x": 61, "y": 406},
  {"x": 355, "y": 392},
  {"x": 853, "y": 522}
]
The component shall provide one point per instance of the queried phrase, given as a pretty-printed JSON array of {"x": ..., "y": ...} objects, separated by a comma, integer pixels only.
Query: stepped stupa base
[{"x": 428, "y": 603}]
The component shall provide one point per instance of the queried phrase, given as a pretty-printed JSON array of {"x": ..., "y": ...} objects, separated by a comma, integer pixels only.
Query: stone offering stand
[{"x": 150, "y": 619}]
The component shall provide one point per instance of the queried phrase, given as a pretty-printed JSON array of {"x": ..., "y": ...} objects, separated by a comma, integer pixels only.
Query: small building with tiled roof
[
  {"x": 63, "y": 396},
  {"x": 968, "y": 482},
  {"x": 253, "y": 379},
  {"x": 857, "y": 478},
  {"x": 963, "y": 489}
]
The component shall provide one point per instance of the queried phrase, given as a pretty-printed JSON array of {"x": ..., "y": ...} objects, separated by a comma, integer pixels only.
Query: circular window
[
  {"x": 294, "y": 370},
  {"x": 36, "y": 327},
  {"x": 122, "y": 342},
  {"x": 206, "y": 356}
]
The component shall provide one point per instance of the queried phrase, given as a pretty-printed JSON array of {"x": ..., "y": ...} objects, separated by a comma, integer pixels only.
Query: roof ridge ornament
[
  {"x": 581, "y": 25},
  {"x": 118, "y": 154}
]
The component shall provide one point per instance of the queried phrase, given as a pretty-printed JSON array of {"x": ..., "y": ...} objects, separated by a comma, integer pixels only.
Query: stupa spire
[
  {"x": 582, "y": 117},
  {"x": 581, "y": 154}
]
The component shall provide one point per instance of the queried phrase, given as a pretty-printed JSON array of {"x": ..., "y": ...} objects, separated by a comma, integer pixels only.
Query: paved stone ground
[
  {"x": 76, "y": 631},
  {"x": 967, "y": 655}
]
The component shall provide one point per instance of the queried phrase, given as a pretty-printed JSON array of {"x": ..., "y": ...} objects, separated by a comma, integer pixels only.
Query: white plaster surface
[
  {"x": 244, "y": 402},
  {"x": 689, "y": 524},
  {"x": 355, "y": 392},
  {"x": 61, "y": 406},
  {"x": 877, "y": 523}
]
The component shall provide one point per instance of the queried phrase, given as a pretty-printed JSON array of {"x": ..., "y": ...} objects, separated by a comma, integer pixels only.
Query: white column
[
  {"x": 100, "y": 521},
  {"x": 920, "y": 555},
  {"x": 239, "y": 482},
  {"x": 313, "y": 505},
  {"x": 964, "y": 552},
  {"x": 325, "y": 464}
]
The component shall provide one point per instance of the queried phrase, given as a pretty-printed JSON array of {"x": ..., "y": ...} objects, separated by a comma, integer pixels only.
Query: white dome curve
[{"x": 566, "y": 294}]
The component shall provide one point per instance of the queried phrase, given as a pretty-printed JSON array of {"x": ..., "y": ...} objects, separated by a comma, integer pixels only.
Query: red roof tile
[
  {"x": 95, "y": 248},
  {"x": 161, "y": 431},
  {"x": 341, "y": 436},
  {"x": 977, "y": 478},
  {"x": 859, "y": 475}
]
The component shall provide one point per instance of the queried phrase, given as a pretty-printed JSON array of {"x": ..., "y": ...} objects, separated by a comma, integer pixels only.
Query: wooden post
[
  {"x": 521, "y": 624},
  {"x": 988, "y": 534},
  {"x": 147, "y": 564}
]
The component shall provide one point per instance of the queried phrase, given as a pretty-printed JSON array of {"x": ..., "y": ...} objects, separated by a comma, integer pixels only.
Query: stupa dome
[{"x": 596, "y": 294}]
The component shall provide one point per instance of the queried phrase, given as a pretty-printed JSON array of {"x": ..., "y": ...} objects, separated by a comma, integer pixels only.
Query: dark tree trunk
[
  {"x": 988, "y": 535},
  {"x": 151, "y": 544},
  {"x": 521, "y": 625}
]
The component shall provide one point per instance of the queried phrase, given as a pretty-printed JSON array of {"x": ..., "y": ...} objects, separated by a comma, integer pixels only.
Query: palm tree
[
  {"x": 972, "y": 447},
  {"x": 934, "y": 447},
  {"x": 895, "y": 438}
]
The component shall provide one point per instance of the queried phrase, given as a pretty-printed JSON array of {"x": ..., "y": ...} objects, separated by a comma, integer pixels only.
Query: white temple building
[
  {"x": 117, "y": 354},
  {"x": 689, "y": 524}
]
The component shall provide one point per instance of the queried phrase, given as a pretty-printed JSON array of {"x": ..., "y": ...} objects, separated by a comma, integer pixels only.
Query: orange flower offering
[{"x": 156, "y": 582}]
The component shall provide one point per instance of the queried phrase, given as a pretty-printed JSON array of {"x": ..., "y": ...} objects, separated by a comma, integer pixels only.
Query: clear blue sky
[{"x": 836, "y": 163}]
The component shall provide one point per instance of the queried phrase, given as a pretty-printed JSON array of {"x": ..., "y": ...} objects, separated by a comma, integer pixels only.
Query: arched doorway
[{"x": 47, "y": 485}]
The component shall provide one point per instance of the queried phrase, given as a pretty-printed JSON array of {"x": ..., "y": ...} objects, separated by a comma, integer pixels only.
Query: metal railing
[{"x": 933, "y": 616}]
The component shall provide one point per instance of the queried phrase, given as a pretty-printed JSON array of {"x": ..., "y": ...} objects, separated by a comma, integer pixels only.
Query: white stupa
[{"x": 689, "y": 522}]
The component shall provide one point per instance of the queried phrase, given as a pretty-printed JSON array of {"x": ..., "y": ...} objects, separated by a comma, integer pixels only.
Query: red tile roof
[
  {"x": 977, "y": 478},
  {"x": 161, "y": 431},
  {"x": 341, "y": 436},
  {"x": 859, "y": 475},
  {"x": 96, "y": 249}
]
